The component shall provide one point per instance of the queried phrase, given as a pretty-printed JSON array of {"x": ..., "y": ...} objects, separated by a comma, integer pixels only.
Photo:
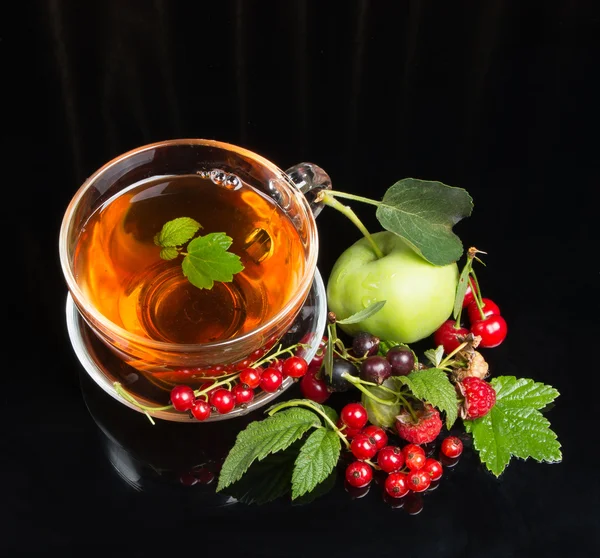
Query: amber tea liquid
[{"x": 118, "y": 267}]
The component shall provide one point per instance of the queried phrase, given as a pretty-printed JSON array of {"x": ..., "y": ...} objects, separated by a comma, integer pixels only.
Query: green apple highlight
[{"x": 419, "y": 295}]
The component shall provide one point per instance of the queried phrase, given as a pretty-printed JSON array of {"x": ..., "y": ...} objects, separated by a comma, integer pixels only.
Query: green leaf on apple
[
  {"x": 433, "y": 386},
  {"x": 515, "y": 426},
  {"x": 363, "y": 314},
  {"x": 423, "y": 213}
]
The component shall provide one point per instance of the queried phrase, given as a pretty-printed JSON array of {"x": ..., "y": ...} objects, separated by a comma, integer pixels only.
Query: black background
[{"x": 500, "y": 98}]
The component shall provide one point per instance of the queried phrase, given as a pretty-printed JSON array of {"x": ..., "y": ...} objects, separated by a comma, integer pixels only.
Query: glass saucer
[{"x": 105, "y": 368}]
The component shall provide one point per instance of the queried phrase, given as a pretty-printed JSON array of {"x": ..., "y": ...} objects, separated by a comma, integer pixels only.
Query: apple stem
[{"x": 329, "y": 200}]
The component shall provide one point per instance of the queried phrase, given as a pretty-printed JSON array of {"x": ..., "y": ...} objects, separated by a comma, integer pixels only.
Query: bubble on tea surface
[
  {"x": 218, "y": 176},
  {"x": 258, "y": 245},
  {"x": 233, "y": 182}
]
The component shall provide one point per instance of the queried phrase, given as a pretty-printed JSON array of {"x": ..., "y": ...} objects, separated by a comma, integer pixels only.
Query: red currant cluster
[
  {"x": 407, "y": 469},
  {"x": 236, "y": 390},
  {"x": 486, "y": 321}
]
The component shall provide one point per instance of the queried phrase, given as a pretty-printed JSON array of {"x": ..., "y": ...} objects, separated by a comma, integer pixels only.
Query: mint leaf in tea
[
  {"x": 206, "y": 259},
  {"x": 133, "y": 264}
]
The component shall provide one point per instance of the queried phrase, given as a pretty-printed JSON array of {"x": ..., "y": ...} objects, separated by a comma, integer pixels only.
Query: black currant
[
  {"x": 375, "y": 369},
  {"x": 365, "y": 344},
  {"x": 401, "y": 360},
  {"x": 337, "y": 383}
]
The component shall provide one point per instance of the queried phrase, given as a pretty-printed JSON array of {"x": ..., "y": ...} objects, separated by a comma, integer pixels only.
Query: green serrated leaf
[
  {"x": 363, "y": 314},
  {"x": 320, "y": 490},
  {"x": 381, "y": 414},
  {"x": 423, "y": 213},
  {"x": 316, "y": 460},
  {"x": 515, "y": 427},
  {"x": 331, "y": 413},
  {"x": 461, "y": 290},
  {"x": 169, "y": 253},
  {"x": 434, "y": 386},
  {"x": 435, "y": 356},
  {"x": 208, "y": 260},
  {"x": 260, "y": 438},
  {"x": 177, "y": 232}
]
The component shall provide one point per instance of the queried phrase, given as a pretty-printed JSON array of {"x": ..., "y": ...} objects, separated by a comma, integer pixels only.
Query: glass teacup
[{"x": 141, "y": 305}]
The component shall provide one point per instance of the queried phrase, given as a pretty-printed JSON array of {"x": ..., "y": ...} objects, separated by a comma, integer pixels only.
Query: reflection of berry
[
  {"x": 182, "y": 397},
  {"x": 427, "y": 428},
  {"x": 413, "y": 503},
  {"x": 390, "y": 459},
  {"x": 376, "y": 433},
  {"x": 354, "y": 415},
  {"x": 396, "y": 485},
  {"x": 479, "y": 397},
  {"x": 418, "y": 481},
  {"x": 452, "y": 446},
  {"x": 414, "y": 456},
  {"x": 359, "y": 474}
]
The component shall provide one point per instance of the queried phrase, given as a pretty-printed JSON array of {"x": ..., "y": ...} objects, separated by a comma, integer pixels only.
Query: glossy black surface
[{"x": 500, "y": 98}]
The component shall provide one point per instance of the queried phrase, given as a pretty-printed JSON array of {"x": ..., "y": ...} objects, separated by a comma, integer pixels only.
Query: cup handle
[{"x": 310, "y": 179}]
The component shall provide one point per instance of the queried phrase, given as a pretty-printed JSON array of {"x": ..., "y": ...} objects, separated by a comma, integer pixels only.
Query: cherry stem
[
  {"x": 477, "y": 294},
  {"x": 312, "y": 406},
  {"x": 328, "y": 199}
]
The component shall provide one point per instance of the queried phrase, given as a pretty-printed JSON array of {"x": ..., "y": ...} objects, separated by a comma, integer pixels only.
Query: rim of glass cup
[{"x": 80, "y": 299}]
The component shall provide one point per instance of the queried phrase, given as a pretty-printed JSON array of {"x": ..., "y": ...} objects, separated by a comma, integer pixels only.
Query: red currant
[
  {"x": 277, "y": 364},
  {"x": 251, "y": 377},
  {"x": 418, "y": 481},
  {"x": 201, "y": 409},
  {"x": 390, "y": 459},
  {"x": 414, "y": 456},
  {"x": 313, "y": 387},
  {"x": 347, "y": 431},
  {"x": 452, "y": 446},
  {"x": 376, "y": 433},
  {"x": 222, "y": 400},
  {"x": 182, "y": 397},
  {"x": 447, "y": 336},
  {"x": 492, "y": 330},
  {"x": 469, "y": 293},
  {"x": 354, "y": 415},
  {"x": 271, "y": 379},
  {"x": 396, "y": 485},
  {"x": 433, "y": 468},
  {"x": 242, "y": 394},
  {"x": 359, "y": 474},
  {"x": 295, "y": 367},
  {"x": 489, "y": 307},
  {"x": 363, "y": 447}
]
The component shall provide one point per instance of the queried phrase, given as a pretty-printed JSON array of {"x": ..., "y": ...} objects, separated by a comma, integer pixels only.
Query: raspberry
[
  {"x": 425, "y": 430},
  {"x": 479, "y": 397}
]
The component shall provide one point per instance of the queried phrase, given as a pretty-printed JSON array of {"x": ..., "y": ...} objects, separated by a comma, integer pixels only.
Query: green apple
[{"x": 419, "y": 295}]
